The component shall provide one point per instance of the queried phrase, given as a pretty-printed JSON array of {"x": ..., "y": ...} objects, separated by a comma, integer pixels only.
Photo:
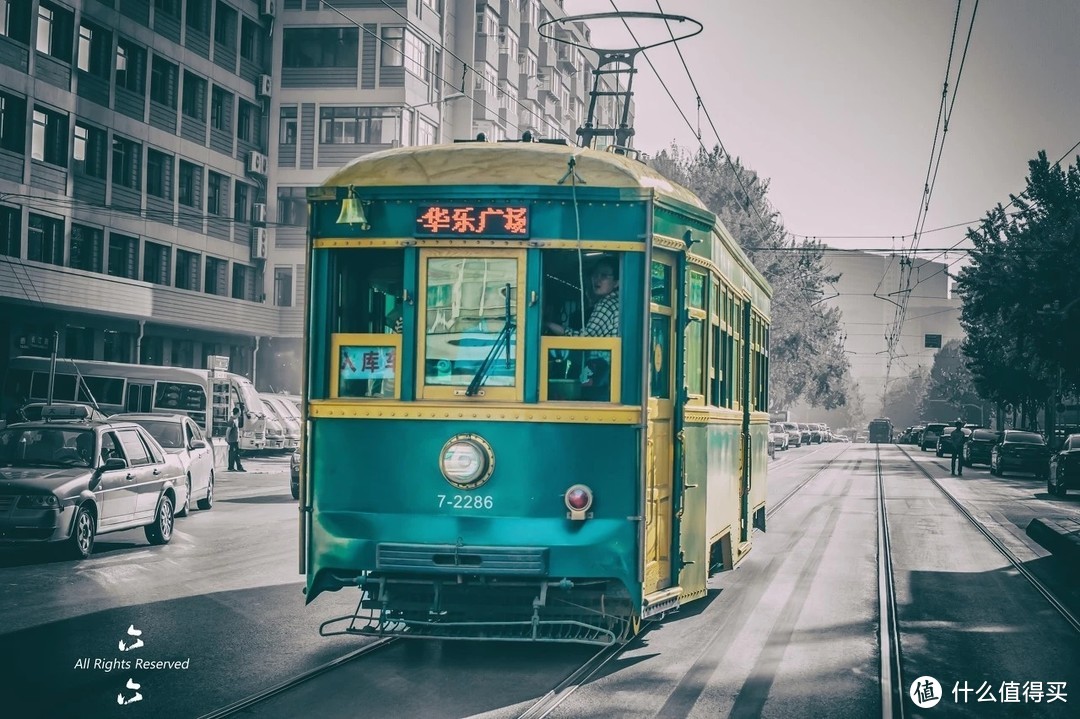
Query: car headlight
[
  {"x": 467, "y": 461},
  {"x": 39, "y": 501}
]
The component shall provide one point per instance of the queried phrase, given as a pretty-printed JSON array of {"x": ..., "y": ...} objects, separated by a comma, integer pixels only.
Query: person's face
[{"x": 603, "y": 280}]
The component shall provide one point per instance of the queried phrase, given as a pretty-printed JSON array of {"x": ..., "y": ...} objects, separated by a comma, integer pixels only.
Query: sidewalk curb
[{"x": 1057, "y": 539}]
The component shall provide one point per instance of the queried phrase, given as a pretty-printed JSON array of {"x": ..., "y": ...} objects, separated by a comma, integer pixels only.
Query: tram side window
[
  {"x": 368, "y": 286},
  {"x": 368, "y": 294},
  {"x": 581, "y": 302}
]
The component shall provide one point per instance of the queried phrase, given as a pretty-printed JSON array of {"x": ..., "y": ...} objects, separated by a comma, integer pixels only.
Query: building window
[
  {"x": 358, "y": 125},
  {"x": 127, "y": 163},
  {"x": 167, "y": 7},
  {"x": 88, "y": 152},
  {"x": 190, "y": 180},
  {"x": 417, "y": 57},
  {"x": 79, "y": 342},
  {"x": 198, "y": 16},
  {"x": 10, "y": 231},
  {"x": 87, "y": 247},
  {"x": 193, "y": 101},
  {"x": 49, "y": 139},
  {"x": 243, "y": 282},
  {"x": 12, "y": 123},
  {"x": 156, "y": 260},
  {"x": 54, "y": 31},
  {"x": 117, "y": 346},
  {"x": 216, "y": 276},
  {"x": 163, "y": 76},
  {"x": 320, "y": 47},
  {"x": 225, "y": 26},
  {"x": 123, "y": 256},
  {"x": 427, "y": 133},
  {"x": 248, "y": 123},
  {"x": 95, "y": 44},
  {"x": 152, "y": 351},
  {"x": 220, "y": 107},
  {"x": 249, "y": 40},
  {"x": 241, "y": 210},
  {"x": 283, "y": 286},
  {"x": 393, "y": 46},
  {"x": 183, "y": 353},
  {"x": 292, "y": 206},
  {"x": 214, "y": 197},
  {"x": 187, "y": 270},
  {"x": 130, "y": 66},
  {"x": 287, "y": 133},
  {"x": 159, "y": 170},
  {"x": 15, "y": 20},
  {"x": 45, "y": 239}
]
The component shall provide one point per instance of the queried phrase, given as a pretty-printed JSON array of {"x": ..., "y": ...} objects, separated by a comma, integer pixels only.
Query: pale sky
[{"x": 835, "y": 102}]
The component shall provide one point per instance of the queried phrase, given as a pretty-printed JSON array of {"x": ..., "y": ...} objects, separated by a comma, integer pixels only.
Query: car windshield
[
  {"x": 46, "y": 446},
  {"x": 169, "y": 435},
  {"x": 936, "y": 428},
  {"x": 1024, "y": 438}
]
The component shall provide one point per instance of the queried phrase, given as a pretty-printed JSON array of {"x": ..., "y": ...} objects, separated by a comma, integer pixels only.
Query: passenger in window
[{"x": 604, "y": 316}]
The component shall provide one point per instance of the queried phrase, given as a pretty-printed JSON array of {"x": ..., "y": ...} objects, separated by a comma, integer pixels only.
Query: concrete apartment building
[
  {"x": 155, "y": 154},
  {"x": 932, "y": 319}
]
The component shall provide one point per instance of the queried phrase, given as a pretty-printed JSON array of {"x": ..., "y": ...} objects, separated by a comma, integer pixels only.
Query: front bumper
[{"x": 33, "y": 526}]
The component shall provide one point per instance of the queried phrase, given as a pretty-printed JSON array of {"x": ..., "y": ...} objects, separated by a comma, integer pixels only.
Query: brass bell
[{"x": 352, "y": 213}]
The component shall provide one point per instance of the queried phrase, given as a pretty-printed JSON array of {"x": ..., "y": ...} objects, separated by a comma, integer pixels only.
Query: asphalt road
[{"x": 791, "y": 632}]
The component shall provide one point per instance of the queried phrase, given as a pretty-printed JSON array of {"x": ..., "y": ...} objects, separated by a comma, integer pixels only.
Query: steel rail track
[
  {"x": 776, "y": 507},
  {"x": 299, "y": 679},
  {"x": 1064, "y": 611},
  {"x": 547, "y": 703},
  {"x": 892, "y": 700}
]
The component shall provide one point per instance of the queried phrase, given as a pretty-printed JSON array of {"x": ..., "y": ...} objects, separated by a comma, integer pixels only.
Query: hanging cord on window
[{"x": 571, "y": 174}]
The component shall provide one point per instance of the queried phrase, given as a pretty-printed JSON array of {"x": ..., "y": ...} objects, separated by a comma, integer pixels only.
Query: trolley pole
[{"x": 52, "y": 365}]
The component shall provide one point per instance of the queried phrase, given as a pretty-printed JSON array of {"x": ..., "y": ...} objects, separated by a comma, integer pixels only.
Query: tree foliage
[
  {"x": 905, "y": 398},
  {"x": 1021, "y": 304},
  {"x": 806, "y": 357},
  {"x": 950, "y": 389}
]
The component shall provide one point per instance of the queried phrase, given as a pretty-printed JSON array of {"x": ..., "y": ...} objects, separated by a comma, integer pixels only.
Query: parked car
[
  {"x": 68, "y": 482},
  {"x": 930, "y": 435},
  {"x": 287, "y": 416},
  {"x": 794, "y": 434},
  {"x": 945, "y": 443},
  {"x": 1064, "y": 473},
  {"x": 294, "y": 473},
  {"x": 978, "y": 448},
  {"x": 1019, "y": 450},
  {"x": 807, "y": 434},
  {"x": 778, "y": 436},
  {"x": 178, "y": 434}
]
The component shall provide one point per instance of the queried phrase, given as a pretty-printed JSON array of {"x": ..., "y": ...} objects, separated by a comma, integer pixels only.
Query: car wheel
[
  {"x": 81, "y": 542},
  {"x": 160, "y": 532},
  {"x": 1050, "y": 488},
  {"x": 208, "y": 501},
  {"x": 187, "y": 502},
  {"x": 295, "y": 488}
]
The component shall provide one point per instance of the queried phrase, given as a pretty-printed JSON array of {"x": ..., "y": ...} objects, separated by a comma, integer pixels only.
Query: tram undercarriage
[{"x": 490, "y": 609}]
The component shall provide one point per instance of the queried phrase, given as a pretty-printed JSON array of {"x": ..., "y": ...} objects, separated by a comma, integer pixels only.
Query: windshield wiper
[{"x": 503, "y": 340}]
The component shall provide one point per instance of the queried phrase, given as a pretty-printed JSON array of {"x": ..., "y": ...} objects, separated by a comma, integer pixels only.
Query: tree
[
  {"x": 951, "y": 389},
  {"x": 806, "y": 358},
  {"x": 1021, "y": 305},
  {"x": 905, "y": 397}
]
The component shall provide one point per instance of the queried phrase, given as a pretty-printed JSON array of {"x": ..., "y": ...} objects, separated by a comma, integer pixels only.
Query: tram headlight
[
  {"x": 467, "y": 461},
  {"x": 579, "y": 499}
]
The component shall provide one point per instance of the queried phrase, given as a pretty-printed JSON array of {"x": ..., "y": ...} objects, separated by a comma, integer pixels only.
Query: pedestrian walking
[
  {"x": 232, "y": 437},
  {"x": 957, "y": 438}
]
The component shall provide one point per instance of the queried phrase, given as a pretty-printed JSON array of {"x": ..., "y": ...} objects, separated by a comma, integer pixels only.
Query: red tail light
[{"x": 579, "y": 499}]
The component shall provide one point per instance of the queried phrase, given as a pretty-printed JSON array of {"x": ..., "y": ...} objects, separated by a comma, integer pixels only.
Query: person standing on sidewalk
[
  {"x": 958, "y": 438},
  {"x": 232, "y": 437}
]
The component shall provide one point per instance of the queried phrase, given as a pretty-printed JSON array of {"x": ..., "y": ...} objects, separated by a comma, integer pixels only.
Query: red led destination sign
[{"x": 472, "y": 221}]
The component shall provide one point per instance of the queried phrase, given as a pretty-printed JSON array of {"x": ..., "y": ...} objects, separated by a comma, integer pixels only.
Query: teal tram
[{"x": 536, "y": 383}]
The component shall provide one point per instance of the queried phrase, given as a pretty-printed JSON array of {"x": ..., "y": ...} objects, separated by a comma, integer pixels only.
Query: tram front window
[{"x": 470, "y": 322}]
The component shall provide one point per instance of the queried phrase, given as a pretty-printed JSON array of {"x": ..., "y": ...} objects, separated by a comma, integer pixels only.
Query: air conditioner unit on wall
[
  {"x": 265, "y": 86},
  {"x": 258, "y": 213},
  {"x": 269, "y": 8},
  {"x": 258, "y": 243},
  {"x": 257, "y": 164}
]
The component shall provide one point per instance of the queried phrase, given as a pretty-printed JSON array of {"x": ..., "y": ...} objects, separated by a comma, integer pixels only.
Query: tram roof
[{"x": 503, "y": 163}]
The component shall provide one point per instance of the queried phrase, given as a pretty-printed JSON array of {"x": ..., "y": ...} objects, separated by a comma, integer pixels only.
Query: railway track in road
[
  {"x": 1058, "y": 605},
  {"x": 302, "y": 678},
  {"x": 892, "y": 699},
  {"x": 787, "y": 497}
]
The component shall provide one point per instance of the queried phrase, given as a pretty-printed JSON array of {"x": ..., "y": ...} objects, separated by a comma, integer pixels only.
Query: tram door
[
  {"x": 140, "y": 397},
  {"x": 658, "y": 486}
]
